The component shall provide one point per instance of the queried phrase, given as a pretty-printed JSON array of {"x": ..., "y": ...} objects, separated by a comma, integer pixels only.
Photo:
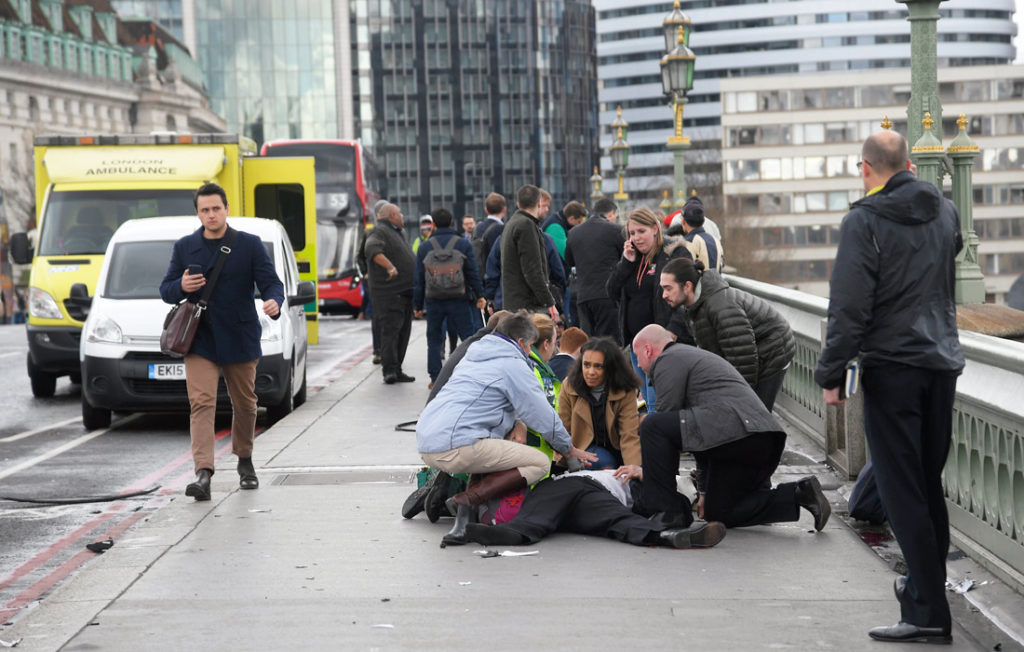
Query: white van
[{"x": 122, "y": 367}]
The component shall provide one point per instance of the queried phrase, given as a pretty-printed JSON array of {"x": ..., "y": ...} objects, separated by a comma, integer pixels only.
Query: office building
[{"x": 745, "y": 38}]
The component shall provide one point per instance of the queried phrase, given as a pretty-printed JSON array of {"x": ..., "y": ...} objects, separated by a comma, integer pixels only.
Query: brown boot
[{"x": 490, "y": 486}]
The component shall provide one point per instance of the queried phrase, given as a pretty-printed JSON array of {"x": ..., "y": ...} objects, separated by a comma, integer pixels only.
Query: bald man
[
  {"x": 706, "y": 408},
  {"x": 892, "y": 305}
]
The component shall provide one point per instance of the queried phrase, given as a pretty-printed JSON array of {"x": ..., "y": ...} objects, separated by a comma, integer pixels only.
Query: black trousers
[
  {"x": 582, "y": 506},
  {"x": 908, "y": 416},
  {"x": 600, "y": 318},
  {"x": 394, "y": 319},
  {"x": 737, "y": 475},
  {"x": 768, "y": 388}
]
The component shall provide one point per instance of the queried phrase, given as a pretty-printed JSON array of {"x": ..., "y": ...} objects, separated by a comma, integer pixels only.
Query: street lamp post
[
  {"x": 676, "y": 80},
  {"x": 620, "y": 158},
  {"x": 595, "y": 180}
]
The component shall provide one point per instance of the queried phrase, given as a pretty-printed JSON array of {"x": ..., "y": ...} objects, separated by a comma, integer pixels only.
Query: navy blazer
[{"x": 230, "y": 329}]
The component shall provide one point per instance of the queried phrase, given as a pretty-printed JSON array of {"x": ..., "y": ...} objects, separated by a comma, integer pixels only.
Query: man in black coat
[
  {"x": 524, "y": 264},
  {"x": 392, "y": 267},
  {"x": 705, "y": 407},
  {"x": 892, "y": 304},
  {"x": 594, "y": 248},
  {"x": 228, "y": 339}
]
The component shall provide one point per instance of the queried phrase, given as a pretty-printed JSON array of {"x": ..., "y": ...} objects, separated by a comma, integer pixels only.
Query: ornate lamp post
[
  {"x": 676, "y": 80},
  {"x": 620, "y": 159},
  {"x": 595, "y": 180}
]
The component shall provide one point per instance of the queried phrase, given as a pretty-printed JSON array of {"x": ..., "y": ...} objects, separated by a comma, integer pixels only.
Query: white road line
[
  {"x": 62, "y": 449},
  {"x": 29, "y": 433}
]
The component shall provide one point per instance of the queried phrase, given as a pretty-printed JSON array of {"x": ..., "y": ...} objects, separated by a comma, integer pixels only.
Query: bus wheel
[
  {"x": 43, "y": 384},
  {"x": 94, "y": 418}
]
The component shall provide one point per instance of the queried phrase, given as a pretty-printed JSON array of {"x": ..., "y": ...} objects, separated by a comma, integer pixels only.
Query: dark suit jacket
[{"x": 230, "y": 329}]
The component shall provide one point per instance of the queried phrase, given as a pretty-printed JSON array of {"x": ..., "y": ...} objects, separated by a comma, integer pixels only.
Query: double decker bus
[{"x": 346, "y": 190}]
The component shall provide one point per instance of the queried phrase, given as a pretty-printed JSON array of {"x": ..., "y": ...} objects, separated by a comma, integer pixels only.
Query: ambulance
[{"x": 87, "y": 186}]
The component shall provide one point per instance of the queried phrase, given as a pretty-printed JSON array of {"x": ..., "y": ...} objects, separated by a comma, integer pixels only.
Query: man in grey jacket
[
  {"x": 493, "y": 394},
  {"x": 706, "y": 408}
]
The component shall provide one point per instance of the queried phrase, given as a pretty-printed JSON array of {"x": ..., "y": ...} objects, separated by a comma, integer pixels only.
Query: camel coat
[{"x": 620, "y": 416}]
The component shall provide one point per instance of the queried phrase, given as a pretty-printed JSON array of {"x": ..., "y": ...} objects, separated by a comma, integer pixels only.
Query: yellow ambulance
[{"x": 87, "y": 186}]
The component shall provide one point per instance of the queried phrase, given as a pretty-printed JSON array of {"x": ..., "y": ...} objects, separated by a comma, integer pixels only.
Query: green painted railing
[
  {"x": 64, "y": 52},
  {"x": 984, "y": 474}
]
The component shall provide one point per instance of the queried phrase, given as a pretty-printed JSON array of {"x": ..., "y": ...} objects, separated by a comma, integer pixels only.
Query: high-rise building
[
  {"x": 742, "y": 38},
  {"x": 456, "y": 98}
]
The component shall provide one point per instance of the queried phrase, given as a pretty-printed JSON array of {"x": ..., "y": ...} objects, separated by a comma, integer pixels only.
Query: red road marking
[
  {"x": 45, "y": 584},
  {"x": 341, "y": 366},
  {"x": 152, "y": 478}
]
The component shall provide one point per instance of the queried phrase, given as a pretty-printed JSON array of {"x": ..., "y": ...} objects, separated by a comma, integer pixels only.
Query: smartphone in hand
[{"x": 195, "y": 268}]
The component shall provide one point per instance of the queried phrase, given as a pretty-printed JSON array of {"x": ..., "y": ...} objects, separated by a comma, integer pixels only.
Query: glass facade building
[
  {"x": 459, "y": 98},
  {"x": 166, "y": 12}
]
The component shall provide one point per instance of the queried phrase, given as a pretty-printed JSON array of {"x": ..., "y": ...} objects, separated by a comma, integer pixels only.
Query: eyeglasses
[{"x": 860, "y": 163}]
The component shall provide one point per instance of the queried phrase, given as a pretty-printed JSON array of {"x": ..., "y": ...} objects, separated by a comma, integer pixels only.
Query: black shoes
[
  {"x": 493, "y": 535},
  {"x": 457, "y": 535},
  {"x": 416, "y": 501},
  {"x": 810, "y": 496},
  {"x": 400, "y": 377},
  {"x": 698, "y": 535},
  {"x": 200, "y": 487},
  {"x": 247, "y": 474},
  {"x": 437, "y": 494},
  {"x": 907, "y": 633}
]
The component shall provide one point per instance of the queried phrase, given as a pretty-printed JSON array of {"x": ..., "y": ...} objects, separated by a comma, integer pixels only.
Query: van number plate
[{"x": 167, "y": 371}]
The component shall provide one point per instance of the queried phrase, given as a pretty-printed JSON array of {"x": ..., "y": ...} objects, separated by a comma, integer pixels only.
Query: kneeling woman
[{"x": 597, "y": 405}]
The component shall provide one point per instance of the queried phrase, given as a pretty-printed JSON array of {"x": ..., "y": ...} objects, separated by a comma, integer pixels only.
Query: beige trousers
[
  {"x": 201, "y": 377},
  {"x": 489, "y": 455}
]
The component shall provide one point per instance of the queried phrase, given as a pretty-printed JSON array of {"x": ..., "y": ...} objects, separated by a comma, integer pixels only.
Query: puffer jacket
[
  {"x": 489, "y": 387},
  {"x": 672, "y": 247},
  {"x": 741, "y": 328},
  {"x": 891, "y": 297}
]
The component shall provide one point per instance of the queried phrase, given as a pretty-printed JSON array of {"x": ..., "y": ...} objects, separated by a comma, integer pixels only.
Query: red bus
[{"x": 346, "y": 190}]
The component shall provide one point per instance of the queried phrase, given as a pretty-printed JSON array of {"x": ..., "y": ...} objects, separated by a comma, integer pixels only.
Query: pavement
[{"x": 320, "y": 558}]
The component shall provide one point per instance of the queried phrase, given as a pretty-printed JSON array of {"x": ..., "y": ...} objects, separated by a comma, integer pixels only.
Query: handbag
[{"x": 182, "y": 321}]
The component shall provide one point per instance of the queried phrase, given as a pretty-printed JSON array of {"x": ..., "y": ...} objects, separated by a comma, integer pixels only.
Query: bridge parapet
[{"x": 984, "y": 474}]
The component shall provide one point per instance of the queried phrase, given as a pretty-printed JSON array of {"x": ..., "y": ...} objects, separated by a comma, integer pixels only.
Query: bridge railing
[{"x": 984, "y": 474}]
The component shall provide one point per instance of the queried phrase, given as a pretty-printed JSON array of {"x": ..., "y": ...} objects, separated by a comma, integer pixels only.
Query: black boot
[
  {"x": 494, "y": 535},
  {"x": 698, "y": 535},
  {"x": 490, "y": 486},
  {"x": 247, "y": 474},
  {"x": 436, "y": 495},
  {"x": 810, "y": 496},
  {"x": 200, "y": 487},
  {"x": 457, "y": 535}
]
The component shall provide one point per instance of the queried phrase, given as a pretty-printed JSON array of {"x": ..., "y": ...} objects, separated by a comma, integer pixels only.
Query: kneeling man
[
  {"x": 706, "y": 408},
  {"x": 492, "y": 393}
]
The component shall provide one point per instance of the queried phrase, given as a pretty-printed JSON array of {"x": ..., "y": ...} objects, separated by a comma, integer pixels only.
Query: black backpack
[
  {"x": 479, "y": 242},
  {"x": 442, "y": 269}
]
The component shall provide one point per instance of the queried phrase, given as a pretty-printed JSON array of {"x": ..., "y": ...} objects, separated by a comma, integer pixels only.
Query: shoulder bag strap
[{"x": 225, "y": 249}]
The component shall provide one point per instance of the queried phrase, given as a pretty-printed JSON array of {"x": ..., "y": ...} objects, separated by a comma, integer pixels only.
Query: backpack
[
  {"x": 442, "y": 269},
  {"x": 479, "y": 243}
]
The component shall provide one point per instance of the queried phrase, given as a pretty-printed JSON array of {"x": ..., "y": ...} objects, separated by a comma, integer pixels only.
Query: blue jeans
[
  {"x": 606, "y": 459},
  {"x": 646, "y": 388},
  {"x": 475, "y": 316},
  {"x": 456, "y": 312}
]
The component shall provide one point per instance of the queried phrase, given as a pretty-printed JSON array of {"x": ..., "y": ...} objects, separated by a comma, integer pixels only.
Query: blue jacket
[
  {"x": 492, "y": 275},
  {"x": 230, "y": 329},
  {"x": 469, "y": 268},
  {"x": 492, "y": 387}
]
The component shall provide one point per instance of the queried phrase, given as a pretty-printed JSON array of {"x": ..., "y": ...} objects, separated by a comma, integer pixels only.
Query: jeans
[
  {"x": 456, "y": 312},
  {"x": 606, "y": 458}
]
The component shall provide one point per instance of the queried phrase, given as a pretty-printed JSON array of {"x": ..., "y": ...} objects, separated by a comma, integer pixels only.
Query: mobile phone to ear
[{"x": 195, "y": 268}]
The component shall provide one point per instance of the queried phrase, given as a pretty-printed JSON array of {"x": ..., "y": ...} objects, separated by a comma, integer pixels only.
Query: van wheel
[
  {"x": 279, "y": 411},
  {"x": 43, "y": 384},
  {"x": 94, "y": 418},
  {"x": 300, "y": 397}
]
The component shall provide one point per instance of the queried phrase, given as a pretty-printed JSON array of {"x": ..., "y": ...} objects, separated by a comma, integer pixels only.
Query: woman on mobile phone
[{"x": 636, "y": 281}]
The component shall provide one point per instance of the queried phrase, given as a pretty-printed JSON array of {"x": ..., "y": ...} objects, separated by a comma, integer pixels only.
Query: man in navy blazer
[{"x": 228, "y": 338}]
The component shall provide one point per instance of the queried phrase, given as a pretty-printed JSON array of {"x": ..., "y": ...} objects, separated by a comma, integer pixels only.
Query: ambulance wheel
[{"x": 43, "y": 384}]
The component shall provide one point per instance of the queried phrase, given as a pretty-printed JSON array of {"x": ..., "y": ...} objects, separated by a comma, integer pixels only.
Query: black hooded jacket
[{"x": 891, "y": 293}]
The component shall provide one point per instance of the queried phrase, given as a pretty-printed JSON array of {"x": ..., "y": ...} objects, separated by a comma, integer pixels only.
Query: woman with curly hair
[
  {"x": 598, "y": 404},
  {"x": 636, "y": 281}
]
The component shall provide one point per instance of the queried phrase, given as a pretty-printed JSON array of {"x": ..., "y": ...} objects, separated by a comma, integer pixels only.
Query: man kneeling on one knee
[
  {"x": 706, "y": 408},
  {"x": 463, "y": 429}
]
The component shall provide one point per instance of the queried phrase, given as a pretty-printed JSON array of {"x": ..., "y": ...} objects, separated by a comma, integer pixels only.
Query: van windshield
[
  {"x": 135, "y": 269},
  {"x": 82, "y": 221}
]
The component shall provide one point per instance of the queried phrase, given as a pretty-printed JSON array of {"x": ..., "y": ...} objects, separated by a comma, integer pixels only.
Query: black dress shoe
[
  {"x": 436, "y": 496},
  {"x": 200, "y": 487},
  {"x": 403, "y": 377},
  {"x": 810, "y": 496},
  {"x": 698, "y": 535},
  {"x": 414, "y": 504},
  {"x": 907, "y": 633},
  {"x": 390, "y": 379},
  {"x": 899, "y": 587},
  {"x": 247, "y": 474}
]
